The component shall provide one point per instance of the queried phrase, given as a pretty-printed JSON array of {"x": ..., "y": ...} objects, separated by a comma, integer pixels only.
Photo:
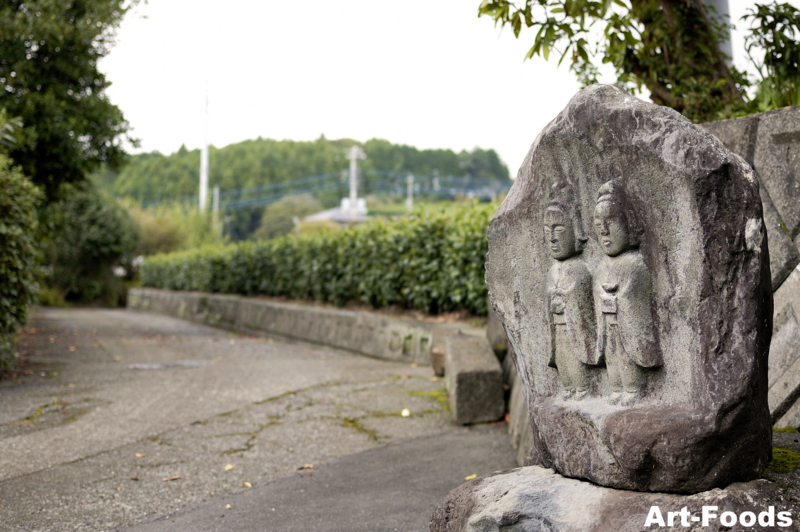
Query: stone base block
[
  {"x": 532, "y": 498},
  {"x": 474, "y": 380}
]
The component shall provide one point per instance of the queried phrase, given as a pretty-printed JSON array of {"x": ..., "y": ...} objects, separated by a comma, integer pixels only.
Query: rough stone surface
[
  {"x": 784, "y": 354},
  {"x": 496, "y": 335},
  {"x": 739, "y": 135},
  {"x": 699, "y": 418},
  {"x": 533, "y": 499},
  {"x": 777, "y": 160},
  {"x": 474, "y": 380},
  {"x": 375, "y": 335}
]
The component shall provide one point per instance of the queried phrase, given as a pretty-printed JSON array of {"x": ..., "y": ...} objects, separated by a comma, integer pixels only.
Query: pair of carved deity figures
[{"x": 604, "y": 318}]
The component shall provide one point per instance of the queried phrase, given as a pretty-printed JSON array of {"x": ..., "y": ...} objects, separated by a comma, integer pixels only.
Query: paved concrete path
[{"x": 128, "y": 418}]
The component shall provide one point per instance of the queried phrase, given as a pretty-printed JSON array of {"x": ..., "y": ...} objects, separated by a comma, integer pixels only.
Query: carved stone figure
[
  {"x": 681, "y": 295},
  {"x": 569, "y": 295},
  {"x": 623, "y": 296}
]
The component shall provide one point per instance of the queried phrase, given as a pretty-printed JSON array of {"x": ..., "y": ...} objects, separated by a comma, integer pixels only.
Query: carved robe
[
  {"x": 569, "y": 298},
  {"x": 623, "y": 296}
]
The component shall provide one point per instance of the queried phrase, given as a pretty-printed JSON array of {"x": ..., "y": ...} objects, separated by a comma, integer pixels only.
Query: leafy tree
[
  {"x": 171, "y": 227},
  {"x": 669, "y": 46},
  {"x": 93, "y": 233},
  {"x": 278, "y": 218},
  {"x": 49, "y": 52},
  {"x": 775, "y": 33}
]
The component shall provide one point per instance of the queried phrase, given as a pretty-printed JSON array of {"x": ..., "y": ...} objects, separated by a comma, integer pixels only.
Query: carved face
[
  {"x": 611, "y": 230},
  {"x": 560, "y": 236}
]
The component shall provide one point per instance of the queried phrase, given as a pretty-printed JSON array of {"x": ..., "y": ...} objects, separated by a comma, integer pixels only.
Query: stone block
[
  {"x": 777, "y": 161},
  {"x": 536, "y": 499},
  {"x": 739, "y": 135},
  {"x": 437, "y": 360},
  {"x": 783, "y": 254},
  {"x": 629, "y": 266},
  {"x": 474, "y": 380},
  {"x": 784, "y": 354}
]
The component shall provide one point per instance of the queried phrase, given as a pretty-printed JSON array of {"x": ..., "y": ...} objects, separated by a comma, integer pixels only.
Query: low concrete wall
[{"x": 374, "y": 335}]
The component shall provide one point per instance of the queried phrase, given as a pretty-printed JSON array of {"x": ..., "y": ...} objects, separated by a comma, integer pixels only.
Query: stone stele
[
  {"x": 534, "y": 499},
  {"x": 629, "y": 267}
]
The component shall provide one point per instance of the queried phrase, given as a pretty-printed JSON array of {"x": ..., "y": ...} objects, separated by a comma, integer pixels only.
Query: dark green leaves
[
  {"x": 776, "y": 35},
  {"x": 669, "y": 46},
  {"x": 433, "y": 261},
  {"x": 19, "y": 200},
  {"x": 49, "y": 51}
]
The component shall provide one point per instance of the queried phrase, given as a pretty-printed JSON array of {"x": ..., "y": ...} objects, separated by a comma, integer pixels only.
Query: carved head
[
  {"x": 563, "y": 230},
  {"x": 611, "y": 222}
]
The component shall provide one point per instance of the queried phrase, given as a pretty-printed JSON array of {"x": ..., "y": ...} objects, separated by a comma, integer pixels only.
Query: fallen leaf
[
  {"x": 247, "y": 485},
  {"x": 139, "y": 455},
  {"x": 72, "y": 348},
  {"x": 406, "y": 412},
  {"x": 117, "y": 488},
  {"x": 134, "y": 478},
  {"x": 470, "y": 477},
  {"x": 434, "y": 379},
  {"x": 507, "y": 418},
  {"x": 306, "y": 466},
  {"x": 228, "y": 467},
  {"x": 176, "y": 477}
]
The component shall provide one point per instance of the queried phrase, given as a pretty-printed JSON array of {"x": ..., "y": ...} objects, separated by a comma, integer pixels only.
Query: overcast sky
[{"x": 428, "y": 73}]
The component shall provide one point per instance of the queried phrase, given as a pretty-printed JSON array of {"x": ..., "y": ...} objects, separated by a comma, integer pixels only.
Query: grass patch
[
  {"x": 439, "y": 395},
  {"x": 783, "y": 460},
  {"x": 355, "y": 424},
  {"x": 784, "y": 429}
]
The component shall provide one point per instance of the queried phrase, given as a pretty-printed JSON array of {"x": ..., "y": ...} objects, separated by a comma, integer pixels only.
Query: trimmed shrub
[
  {"x": 432, "y": 261},
  {"x": 92, "y": 234},
  {"x": 19, "y": 200}
]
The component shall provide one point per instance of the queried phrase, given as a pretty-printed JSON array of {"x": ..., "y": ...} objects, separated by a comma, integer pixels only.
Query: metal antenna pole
[
  {"x": 410, "y": 189},
  {"x": 354, "y": 153},
  {"x": 204, "y": 161}
]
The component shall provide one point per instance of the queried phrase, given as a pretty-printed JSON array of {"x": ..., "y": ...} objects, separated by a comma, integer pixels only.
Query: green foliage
[
  {"x": 253, "y": 163},
  {"x": 9, "y": 126},
  {"x": 669, "y": 46},
  {"x": 172, "y": 227},
  {"x": 92, "y": 234},
  {"x": 776, "y": 34},
  {"x": 433, "y": 261},
  {"x": 278, "y": 218},
  {"x": 783, "y": 460},
  {"x": 49, "y": 52},
  {"x": 19, "y": 199}
]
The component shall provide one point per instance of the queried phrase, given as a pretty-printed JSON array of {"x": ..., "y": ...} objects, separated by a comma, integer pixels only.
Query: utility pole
[
  {"x": 410, "y": 189},
  {"x": 215, "y": 207},
  {"x": 354, "y": 153},
  {"x": 204, "y": 161}
]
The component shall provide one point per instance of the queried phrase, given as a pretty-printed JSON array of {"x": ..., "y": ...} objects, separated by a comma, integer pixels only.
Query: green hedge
[
  {"x": 432, "y": 261},
  {"x": 19, "y": 200}
]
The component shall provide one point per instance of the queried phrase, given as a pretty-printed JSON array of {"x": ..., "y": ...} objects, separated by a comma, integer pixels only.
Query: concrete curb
[{"x": 374, "y": 335}]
